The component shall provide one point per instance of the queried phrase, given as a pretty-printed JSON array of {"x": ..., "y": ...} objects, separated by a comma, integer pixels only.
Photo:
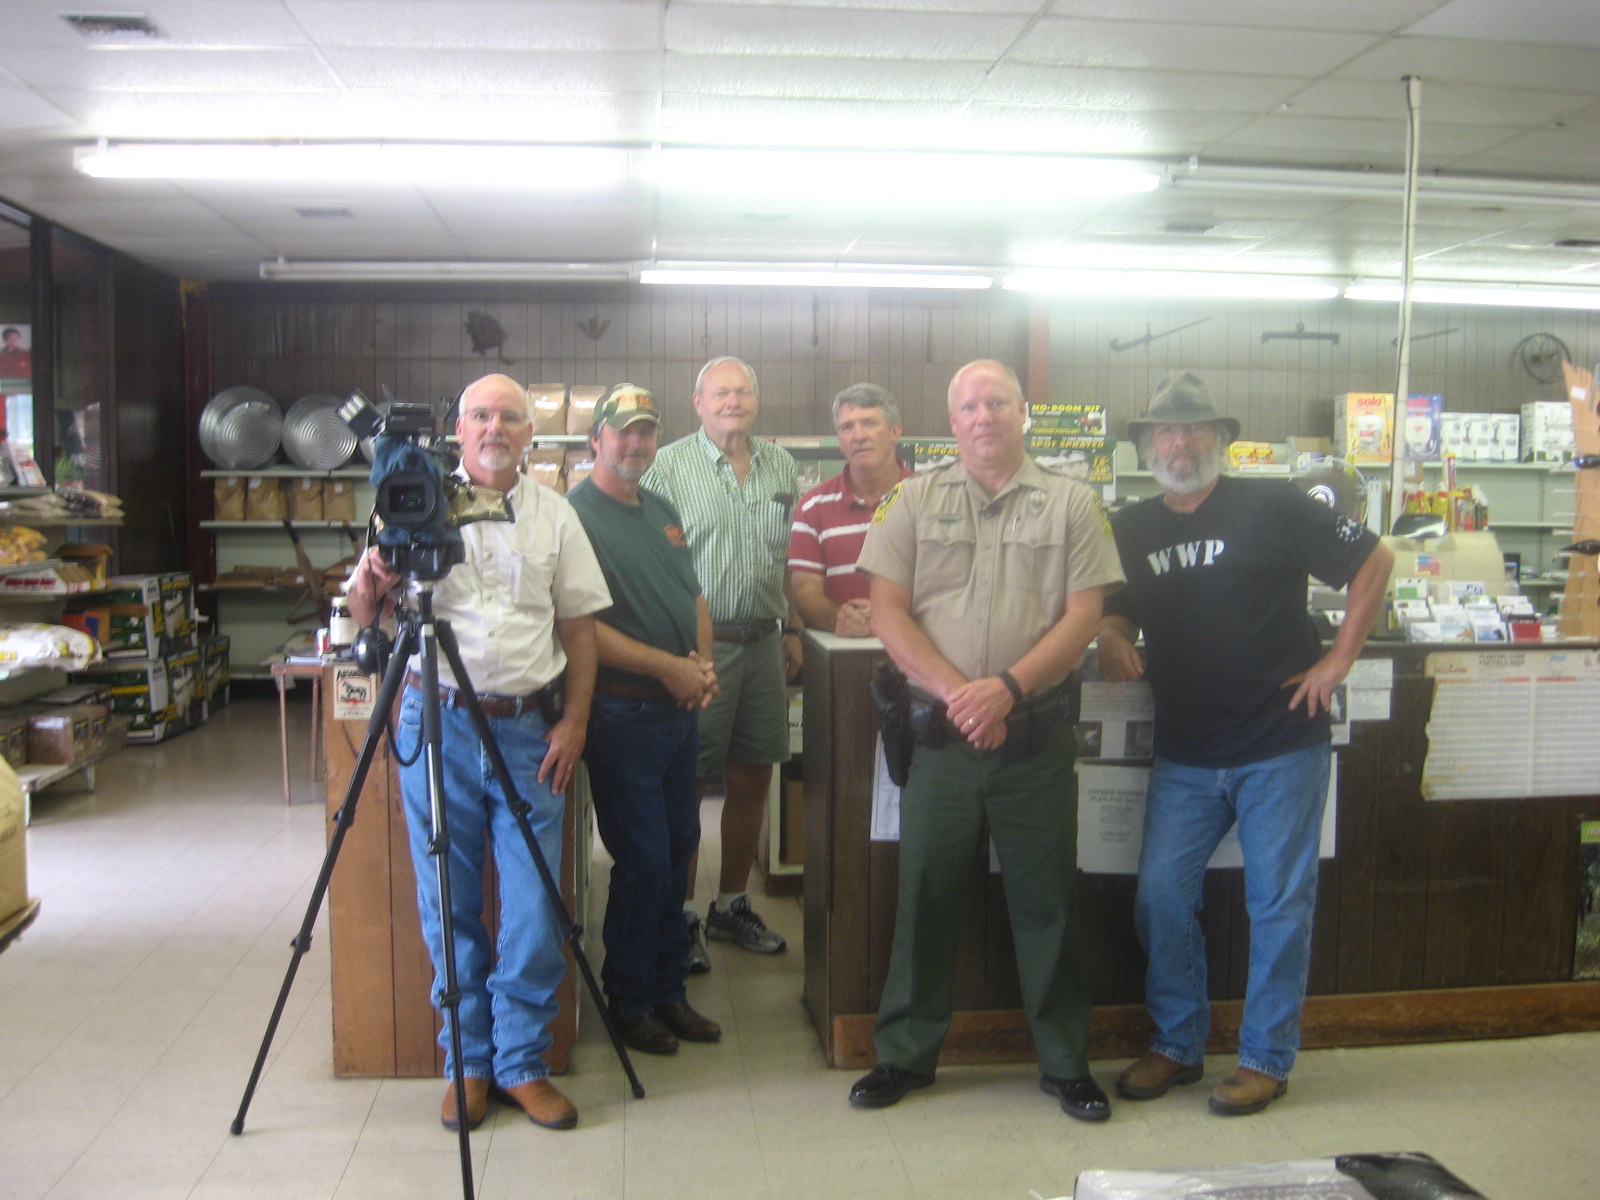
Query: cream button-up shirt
[{"x": 518, "y": 579}]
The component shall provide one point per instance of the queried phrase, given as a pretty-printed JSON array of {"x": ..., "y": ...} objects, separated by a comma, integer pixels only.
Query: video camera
[{"x": 420, "y": 504}]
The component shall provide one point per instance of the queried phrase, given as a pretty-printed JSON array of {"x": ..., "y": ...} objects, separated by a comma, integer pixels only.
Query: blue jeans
[
  {"x": 1278, "y": 805},
  {"x": 641, "y": 759},
  {"x": 508, "y": 991}
]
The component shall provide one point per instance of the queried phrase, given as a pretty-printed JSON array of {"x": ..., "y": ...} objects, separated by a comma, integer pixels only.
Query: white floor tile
[{"x": 131, "y": 1013}]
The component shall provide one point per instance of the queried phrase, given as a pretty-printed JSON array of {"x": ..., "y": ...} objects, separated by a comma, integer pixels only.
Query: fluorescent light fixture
[
  {"x": 1219, "y": 284},
  {"x": 546, "y": 168},
  {"x": 842, "y": 177},
  {"x": 821, "y": 276},
  {"x": 1507, "y": 295},
  {"x": 425, "y": 271}
]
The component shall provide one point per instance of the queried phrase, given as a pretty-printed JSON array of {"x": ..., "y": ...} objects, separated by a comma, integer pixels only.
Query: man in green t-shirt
[{"x": 655, "y": 676}]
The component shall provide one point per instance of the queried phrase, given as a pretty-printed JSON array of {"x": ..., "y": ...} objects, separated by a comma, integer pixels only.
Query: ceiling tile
[
  {"x": 1100, "y": 87},
  {"x": 482, "y": 24},
  {"x": 169, "y": 70},
  {"x": 1442, "y": 103},
  {"x": 783, "y": 76},
  {"x": 1355, "y": 16},
  {"x": 1481, "y": 64},
  {"x": 1559, "y": 22},
  {"x": 838, "y": 32},
  {"x": 496, "y": 71},
  {"x": 1175, "y": 46}
]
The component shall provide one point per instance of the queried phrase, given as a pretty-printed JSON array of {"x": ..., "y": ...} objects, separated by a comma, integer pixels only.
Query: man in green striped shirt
[{"x": 736, "y": 495}]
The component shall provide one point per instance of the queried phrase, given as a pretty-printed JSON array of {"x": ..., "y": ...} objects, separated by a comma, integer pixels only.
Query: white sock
[
  {"x": 689, "y": 913},
  {"x": 725, "y": 900}
]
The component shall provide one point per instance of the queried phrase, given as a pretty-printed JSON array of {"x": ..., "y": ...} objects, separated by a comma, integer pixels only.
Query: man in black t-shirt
[
  {"x": 1217, "y": 570},
  {"x": 655, "y": 676}
]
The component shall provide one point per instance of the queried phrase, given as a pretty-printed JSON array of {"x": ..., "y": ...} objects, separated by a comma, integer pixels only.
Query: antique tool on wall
[
  {"x": 1117, "y": 344},
  {"x": 315, "y": 596}
]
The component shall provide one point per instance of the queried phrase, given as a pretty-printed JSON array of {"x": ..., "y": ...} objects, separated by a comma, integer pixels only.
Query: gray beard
[{"x": 1208, "y": 468}]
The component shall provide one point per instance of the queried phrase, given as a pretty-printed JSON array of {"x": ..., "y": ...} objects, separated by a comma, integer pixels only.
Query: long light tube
[
  {"x": 1171, "y": 283},
  {"x": 1500, "y": 295},
  {"x": 902, "y": 176},
  {"x": 548, "y": 168},
  {"x": 423, "y": 271},
  {"x": 796, "y": 276}
]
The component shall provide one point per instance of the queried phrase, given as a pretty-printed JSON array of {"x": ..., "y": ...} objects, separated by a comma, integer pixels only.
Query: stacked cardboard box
[{"x": 214, "y": 670}]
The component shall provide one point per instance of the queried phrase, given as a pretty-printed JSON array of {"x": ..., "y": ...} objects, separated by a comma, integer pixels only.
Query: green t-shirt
[{"x": 647, "y": 565}]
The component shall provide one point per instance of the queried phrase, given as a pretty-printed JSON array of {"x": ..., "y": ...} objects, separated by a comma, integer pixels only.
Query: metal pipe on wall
[{"x": 1402, "y": 386}]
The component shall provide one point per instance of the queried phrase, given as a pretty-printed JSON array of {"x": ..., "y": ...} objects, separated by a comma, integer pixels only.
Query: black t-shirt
[
  {"x": 647, "y": 566},
  {"x": 1221, "y": 596}
]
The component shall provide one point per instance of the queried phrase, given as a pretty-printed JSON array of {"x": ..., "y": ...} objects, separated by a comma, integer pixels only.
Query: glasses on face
[
  {"x": 482, "y": 418},
  {"x": 1186, "y": 433}
]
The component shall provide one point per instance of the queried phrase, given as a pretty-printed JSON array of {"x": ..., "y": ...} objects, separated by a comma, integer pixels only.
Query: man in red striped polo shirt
[{"x": 831, "y": 520}]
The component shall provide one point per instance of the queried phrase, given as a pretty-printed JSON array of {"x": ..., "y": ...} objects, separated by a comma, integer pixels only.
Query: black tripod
[{"x": 422, "y": 631}]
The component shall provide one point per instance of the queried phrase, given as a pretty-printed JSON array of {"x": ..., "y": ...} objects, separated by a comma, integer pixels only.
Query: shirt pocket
[
  {"x": 532, "y": 576},
  {"x": 946, "y": 557}
]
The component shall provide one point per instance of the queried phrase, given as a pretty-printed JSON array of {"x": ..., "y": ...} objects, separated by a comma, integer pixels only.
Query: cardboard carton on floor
[{"x": 13, "y": 844}]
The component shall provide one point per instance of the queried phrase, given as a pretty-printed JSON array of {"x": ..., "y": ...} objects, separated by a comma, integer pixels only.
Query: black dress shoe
[
  {"x": 686, "y": 1023},
  {"x": 884, "y": 1085},
  {"x": 1080, "y": 1097},
  {"x": 645, "y": 1033}
]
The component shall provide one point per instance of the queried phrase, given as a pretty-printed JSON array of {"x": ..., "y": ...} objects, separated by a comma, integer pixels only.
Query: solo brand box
[{"x": 1363, "y": 426}]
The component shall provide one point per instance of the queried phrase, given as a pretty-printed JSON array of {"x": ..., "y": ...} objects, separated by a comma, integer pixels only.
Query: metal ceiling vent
[{"x": 113, "y": 25}]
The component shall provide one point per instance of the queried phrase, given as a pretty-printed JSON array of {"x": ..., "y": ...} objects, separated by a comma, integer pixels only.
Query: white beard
[{"x": 1206, "y": 471}]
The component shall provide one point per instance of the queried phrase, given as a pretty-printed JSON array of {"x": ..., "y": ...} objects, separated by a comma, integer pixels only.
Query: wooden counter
[
  {"x": 384, "y": 1023},
  {"x": 1436, "y": 920}
]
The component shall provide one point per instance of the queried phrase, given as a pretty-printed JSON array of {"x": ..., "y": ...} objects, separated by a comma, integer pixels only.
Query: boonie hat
[
  {"x": 1182, "y": 398},
  {"x": 627, "y": 404}
]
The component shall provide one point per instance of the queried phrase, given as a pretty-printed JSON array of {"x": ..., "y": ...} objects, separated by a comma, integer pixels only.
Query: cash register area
[{"x": 131, "y": 1011}]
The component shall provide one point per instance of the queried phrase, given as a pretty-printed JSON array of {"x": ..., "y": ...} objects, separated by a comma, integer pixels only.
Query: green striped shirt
[{"x": 739, "y": 535}]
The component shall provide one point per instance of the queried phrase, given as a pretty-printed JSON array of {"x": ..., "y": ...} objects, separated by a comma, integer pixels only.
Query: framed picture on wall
[{"x": 16, "y": 353}]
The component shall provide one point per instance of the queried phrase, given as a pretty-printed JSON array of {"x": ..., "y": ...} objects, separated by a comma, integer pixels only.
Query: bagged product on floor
[{"x": 1409, "y": 1176}]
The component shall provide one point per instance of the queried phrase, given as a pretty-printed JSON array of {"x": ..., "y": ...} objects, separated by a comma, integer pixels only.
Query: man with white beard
[{"x": 1217, "y": 571}]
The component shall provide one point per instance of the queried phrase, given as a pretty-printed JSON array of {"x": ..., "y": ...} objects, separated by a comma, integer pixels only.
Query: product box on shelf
[
  {"x": 1547, "y": 431},
  {"x": 68, "y": 734},
  {"x": 128, "y": 617},
  {"x": 177, "y": 606},
  {"x": 13, "y": 847},
  {"x": 214, "y": 669},
  {"x": 187, "y": 681},
  {"x": 14, "y": 738},
  {"x": 1504, "y": 433},
  {"x": 138, "y": 688},
  {"x": 1420, "y": 429},
  {"x": 1363, "y": 426}
]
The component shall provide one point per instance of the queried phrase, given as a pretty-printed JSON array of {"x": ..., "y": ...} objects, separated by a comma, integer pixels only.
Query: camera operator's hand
[
  {"x": 566, "y": 738},
  {"x": 370, "y": 585}
]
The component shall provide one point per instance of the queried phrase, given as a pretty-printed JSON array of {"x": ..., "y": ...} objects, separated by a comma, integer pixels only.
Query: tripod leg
[
  {"x": 344, "y": 819},
  {"x": 439, "y": 847},
  {"x": 519, "y": 807}
]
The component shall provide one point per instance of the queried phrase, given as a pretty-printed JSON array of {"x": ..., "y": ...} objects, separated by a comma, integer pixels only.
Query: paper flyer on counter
[{"x": 1111, "y": 820}]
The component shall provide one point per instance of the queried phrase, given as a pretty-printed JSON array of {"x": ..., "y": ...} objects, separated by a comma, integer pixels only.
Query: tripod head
[{"x": 372, "y": 645}]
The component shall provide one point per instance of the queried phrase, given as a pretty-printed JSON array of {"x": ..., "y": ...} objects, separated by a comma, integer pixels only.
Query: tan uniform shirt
[{"x": 989, "y": 577}]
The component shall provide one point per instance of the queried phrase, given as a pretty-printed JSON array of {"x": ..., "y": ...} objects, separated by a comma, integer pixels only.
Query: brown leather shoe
[
  {"x": 542, "y": 1103},
  {"x": 1153, "y": 1074},
  {"x": 1244, "y": 1092},
  {"x": 646, "y": 1032},
  {"x": 477, "y": 1091},
  {"x": 688, "y": 1024}
]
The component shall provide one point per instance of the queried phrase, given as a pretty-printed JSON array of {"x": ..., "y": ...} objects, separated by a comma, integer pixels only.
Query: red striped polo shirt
[{"x": 830, "y": 524}]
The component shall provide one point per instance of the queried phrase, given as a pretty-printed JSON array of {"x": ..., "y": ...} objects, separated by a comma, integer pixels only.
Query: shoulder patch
[
  {"x": 884, "y": 505},
  {"x": 1105, "y": 521}
]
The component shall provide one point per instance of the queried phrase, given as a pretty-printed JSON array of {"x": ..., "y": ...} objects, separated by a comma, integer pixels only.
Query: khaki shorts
[{"x": 748, "y": 722}]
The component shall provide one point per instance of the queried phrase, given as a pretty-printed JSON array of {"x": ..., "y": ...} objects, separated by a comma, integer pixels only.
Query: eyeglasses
[
  {"x": 509, "y": 418},
  {"x": 1190, "y": 433}
]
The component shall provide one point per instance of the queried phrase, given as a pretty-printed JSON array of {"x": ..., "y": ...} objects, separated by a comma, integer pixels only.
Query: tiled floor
[{"x": 130, "y": 1014}]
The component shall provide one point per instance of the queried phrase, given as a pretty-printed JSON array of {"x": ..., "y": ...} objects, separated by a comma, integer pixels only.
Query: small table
[{"x": 284, "y": 674}]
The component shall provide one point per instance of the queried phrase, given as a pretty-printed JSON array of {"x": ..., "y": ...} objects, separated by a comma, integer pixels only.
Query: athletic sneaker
[
  {"x": 699, "y": 960},
  {"x": 744, "y": 925}
]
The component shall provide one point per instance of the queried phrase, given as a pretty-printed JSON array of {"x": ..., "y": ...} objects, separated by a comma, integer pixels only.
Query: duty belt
[
  {"x": 493, "y": 705},
  {"x": 631, "y": 689},
  {"x": 744, "y": 631},
  {"x": 1030, "y": 726}
]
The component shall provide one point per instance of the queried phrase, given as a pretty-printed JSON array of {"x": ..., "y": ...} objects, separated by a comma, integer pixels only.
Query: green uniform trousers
[{"x": 1031, "y": 809}]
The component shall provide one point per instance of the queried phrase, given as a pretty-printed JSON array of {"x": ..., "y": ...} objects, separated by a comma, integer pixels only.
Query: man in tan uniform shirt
[{"x": 987, "y": 579}]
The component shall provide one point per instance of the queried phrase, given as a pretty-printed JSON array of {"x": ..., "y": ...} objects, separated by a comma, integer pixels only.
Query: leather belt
[
  {"x": 632, "y": 689},
  {"x": 492, "y": 705},
  {"x": 744, "y": 631}
]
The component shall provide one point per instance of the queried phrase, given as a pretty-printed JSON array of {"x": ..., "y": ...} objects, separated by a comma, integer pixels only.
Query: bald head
[{"x": 989, "y": 368}]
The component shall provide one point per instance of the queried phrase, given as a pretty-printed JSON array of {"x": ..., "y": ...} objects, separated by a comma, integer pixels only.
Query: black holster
[
  {"x": 891, "y": 702},
  {"x": 553, "y": 699}
]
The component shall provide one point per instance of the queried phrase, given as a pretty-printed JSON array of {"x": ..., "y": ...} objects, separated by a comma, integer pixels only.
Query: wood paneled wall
[
  {"x": 806, "y": 344},
  {"x": 1284, "y": 386}
]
